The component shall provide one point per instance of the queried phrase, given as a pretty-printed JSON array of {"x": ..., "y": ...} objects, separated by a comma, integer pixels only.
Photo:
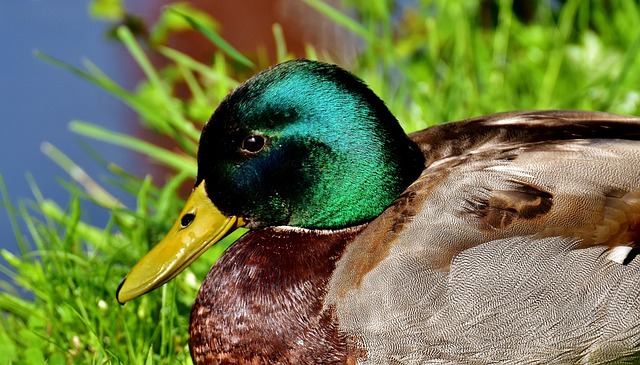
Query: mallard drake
[{"x": 509, "y": 238}]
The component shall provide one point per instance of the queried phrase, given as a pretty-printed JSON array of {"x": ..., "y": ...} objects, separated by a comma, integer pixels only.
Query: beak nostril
[{"x": 186, "y": 219}]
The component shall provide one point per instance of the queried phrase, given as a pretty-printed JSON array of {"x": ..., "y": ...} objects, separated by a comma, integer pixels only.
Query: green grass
[{"x": 440, "y": 61}]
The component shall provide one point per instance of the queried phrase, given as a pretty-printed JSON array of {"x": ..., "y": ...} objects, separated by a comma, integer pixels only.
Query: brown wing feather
[
  {"x": 545, "y": 145},
  {"x": 503, "y": 208},
  {"x": 509, "y": 128}
]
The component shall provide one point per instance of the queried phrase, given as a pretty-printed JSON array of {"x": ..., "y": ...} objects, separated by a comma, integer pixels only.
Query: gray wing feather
[{"x": 519, "y": 300}]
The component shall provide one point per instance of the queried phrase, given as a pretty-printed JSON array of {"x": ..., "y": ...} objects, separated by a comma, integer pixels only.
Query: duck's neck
[{"x": 262, "y": 302}]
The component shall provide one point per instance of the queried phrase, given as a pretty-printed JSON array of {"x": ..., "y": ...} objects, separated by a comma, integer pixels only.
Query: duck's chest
[{"x": 263, "y": 301}]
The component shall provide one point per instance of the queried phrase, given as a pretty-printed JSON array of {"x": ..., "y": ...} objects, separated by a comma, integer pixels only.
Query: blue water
[{"x": 37, "y": 101}]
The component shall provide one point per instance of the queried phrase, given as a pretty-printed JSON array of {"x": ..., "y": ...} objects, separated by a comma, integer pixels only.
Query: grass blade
[
  {"x": 216, "y": 39},
  {"x": 171, "y": 159}
]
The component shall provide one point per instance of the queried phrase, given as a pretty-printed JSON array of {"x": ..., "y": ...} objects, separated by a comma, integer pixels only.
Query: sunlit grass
[{"x": 436, "y": 62}]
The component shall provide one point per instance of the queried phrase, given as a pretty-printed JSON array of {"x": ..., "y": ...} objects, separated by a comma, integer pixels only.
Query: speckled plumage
[
  {"x": 453, "y": 285},
  {"x": 509, "y": 238}
]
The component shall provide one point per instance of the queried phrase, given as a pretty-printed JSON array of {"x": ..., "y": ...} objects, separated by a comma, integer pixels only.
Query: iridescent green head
[{"x": 305, "y": 144}]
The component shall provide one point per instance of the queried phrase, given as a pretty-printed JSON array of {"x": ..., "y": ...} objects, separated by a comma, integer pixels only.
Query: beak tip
[
  {"x": 180, "y": 247},
  {"x": 121, "y": 302}
]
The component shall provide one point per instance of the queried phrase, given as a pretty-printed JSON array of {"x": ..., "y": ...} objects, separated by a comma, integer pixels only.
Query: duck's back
[{"x": 513, "y": 246}]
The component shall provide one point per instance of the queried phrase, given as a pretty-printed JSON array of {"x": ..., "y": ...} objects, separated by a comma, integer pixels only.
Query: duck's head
[{"x": 302, "y": 144}]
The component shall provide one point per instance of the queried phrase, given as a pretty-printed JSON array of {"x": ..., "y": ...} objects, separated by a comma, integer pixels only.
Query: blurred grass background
[{"x": 431, "y": 61}]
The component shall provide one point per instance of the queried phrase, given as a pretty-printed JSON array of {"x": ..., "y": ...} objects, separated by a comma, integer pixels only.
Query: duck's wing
[
  {"x": 512, "y": 301},
  {"x": 506, "y": 248}
]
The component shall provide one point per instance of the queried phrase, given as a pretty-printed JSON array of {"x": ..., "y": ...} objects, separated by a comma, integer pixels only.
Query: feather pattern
[{"x": 498, "y": 252}]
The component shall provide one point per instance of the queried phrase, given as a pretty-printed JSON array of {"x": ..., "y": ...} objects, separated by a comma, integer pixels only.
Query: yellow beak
[{"x": 199, "y": 226}]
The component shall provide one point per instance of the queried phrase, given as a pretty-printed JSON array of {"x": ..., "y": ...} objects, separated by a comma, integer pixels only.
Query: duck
[{"x": 507, "y": 238}]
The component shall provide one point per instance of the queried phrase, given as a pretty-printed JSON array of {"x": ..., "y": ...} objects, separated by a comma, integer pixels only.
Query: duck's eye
[
  {"x": 187, "y": 219},
  {"x": 254, "y": 144}
]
